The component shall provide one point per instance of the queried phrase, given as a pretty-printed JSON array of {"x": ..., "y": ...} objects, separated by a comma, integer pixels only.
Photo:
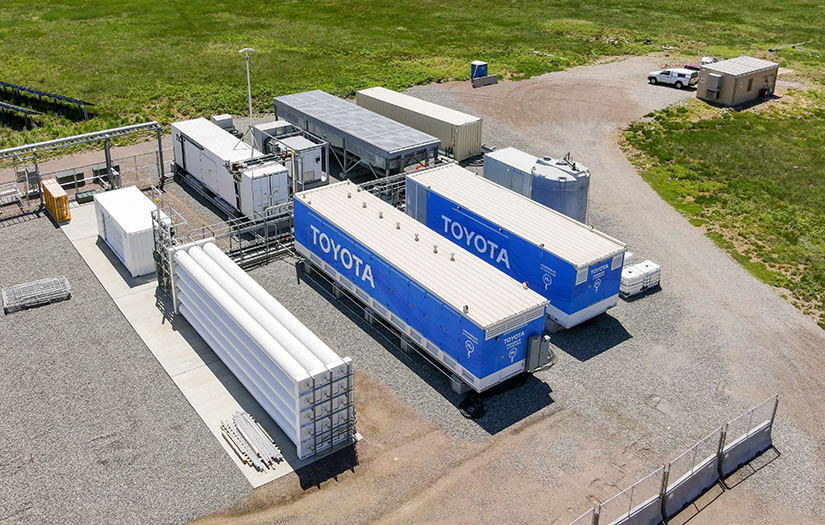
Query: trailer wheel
[{"x": 472, "y": 407}]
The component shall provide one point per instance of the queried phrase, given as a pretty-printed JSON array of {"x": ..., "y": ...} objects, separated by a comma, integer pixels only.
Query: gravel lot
[
  {"x": 94, "y": 430},
  {"x": 632, "y": 389}
]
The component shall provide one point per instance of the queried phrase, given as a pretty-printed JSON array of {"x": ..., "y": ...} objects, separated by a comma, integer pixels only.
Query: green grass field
[
  {"x": 754, "y": 181},
  {"x": 142, "y": 60}
]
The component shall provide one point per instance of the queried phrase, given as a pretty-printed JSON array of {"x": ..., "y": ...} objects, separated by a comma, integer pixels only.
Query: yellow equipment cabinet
[{"x": 57, "y": 202}]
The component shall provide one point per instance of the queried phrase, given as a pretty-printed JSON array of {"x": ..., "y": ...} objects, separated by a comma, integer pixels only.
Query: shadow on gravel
[
  {"x": 504, "y": 407},
  {"x": 328, "y": 468},
  {"x": 200, "y": 199},
  {"x": 591, "y": 338},
  {"x": 12, "y": 215}
]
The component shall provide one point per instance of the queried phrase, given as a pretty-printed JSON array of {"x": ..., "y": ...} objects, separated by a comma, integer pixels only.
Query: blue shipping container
[
  {"x": 482, "y": 356},
  {"x": 576, "y": 268}
]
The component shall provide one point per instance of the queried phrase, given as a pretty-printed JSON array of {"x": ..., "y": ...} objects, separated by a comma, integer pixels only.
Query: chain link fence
[{"x": 21, "y": 183}]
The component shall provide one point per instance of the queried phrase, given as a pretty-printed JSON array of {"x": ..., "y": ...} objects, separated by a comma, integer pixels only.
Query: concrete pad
[
  {"x": 83, "y": 222},
  {"x": 208, "y": 385},
  {"x": 149, "y": 311},
  {"x": 111, "y": 273}
]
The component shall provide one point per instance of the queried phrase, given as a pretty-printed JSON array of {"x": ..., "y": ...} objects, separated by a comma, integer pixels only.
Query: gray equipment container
[{"x": 262, "y": 134}]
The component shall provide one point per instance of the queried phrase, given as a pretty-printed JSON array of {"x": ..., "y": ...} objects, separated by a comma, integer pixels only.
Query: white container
[
  {"x": 262, "y": 134},
  {"x": 300, "y": 382},
  {"x": 216, "y": 159},
  {"x": 460, "y": 133},
  {"x": 632, "y": 279},
  {"x": 652, "y": 273},
  {"x": 124, "y": 221},
  {"x": 223, "y": 121}
]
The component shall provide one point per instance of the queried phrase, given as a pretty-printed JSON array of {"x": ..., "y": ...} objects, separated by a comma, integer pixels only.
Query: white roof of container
[
  {"x": 741, "y": 66},
  {"x": 514, "y": 157},
  {"x": 492, "y": 296},
  {"x": 451, "y": 116},
  {"x": 217, "y": 140},
  {"x": 560, "y": 235},
  {"x": 129, "y": 208},
  {"x": 298, "y": 142}
]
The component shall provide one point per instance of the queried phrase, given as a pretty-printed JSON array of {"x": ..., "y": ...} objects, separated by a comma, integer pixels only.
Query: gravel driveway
[{"x": 632, "y": 389}]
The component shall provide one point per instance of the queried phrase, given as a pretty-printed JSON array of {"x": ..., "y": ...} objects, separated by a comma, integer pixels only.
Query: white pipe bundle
[{"x": 306, "y": 397}]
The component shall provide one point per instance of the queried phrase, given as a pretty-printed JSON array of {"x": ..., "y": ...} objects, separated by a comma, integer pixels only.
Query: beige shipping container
[
  {"x": 737, "y": 81},
  {"x": 460, "y": 133}
]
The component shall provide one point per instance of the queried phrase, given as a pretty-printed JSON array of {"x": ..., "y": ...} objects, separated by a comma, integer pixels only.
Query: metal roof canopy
[
  {"x": 568, "y": 239},
  {"x": 446, "y": 270},
  {"x": 741, "y": 66},
  {"x": 375, "y": 139}
]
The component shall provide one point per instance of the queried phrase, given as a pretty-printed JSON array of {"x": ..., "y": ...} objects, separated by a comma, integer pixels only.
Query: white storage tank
[
  {"x": 460, "y": 133},
  {"x": 124, "y": 222},
  {"x": 301, "y": 383},
  {"x": 560, "y": 184}
]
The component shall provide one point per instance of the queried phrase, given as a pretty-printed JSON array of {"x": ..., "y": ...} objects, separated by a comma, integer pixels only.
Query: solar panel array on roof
[
  {"x": 388, "y": 135},
  {"x": 365, "y": 137}
]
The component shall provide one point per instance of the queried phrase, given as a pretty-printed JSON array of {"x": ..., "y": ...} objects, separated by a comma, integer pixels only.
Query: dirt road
[{"x": 633, "y": 388}]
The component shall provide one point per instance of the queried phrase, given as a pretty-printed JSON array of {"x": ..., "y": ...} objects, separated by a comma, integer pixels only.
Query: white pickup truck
[{"x": 678, "y": 77}]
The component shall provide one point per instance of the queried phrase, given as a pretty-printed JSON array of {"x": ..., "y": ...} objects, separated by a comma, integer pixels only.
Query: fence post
[
  {"x": 722, "y": 436},
  {"x": 663, "y": 489},
  {"x": 775, "y": 406}
]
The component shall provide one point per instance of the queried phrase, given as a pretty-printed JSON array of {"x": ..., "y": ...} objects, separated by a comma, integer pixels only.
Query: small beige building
[{"x": 736, "y": 81}]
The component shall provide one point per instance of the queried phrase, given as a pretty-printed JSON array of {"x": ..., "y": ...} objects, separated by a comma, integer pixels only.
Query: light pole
[{"x": 246, "y": 52}]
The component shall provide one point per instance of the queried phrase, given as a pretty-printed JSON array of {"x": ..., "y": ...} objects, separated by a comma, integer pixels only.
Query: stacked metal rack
[
  {"x": 251, "y": 443},
  {"x": 36, "y": 293}
]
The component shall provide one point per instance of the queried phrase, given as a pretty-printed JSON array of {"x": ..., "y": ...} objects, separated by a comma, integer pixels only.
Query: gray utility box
[
  {"x": 306, "y": 168},
  {"x": 538, "y": 353},
  {"x": 262, "y": 134}
]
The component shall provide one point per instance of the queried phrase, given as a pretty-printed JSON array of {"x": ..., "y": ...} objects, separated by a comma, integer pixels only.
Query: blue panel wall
[
  {"x": 548, "y": 275},
  {"x": 456, "y": 335}
]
